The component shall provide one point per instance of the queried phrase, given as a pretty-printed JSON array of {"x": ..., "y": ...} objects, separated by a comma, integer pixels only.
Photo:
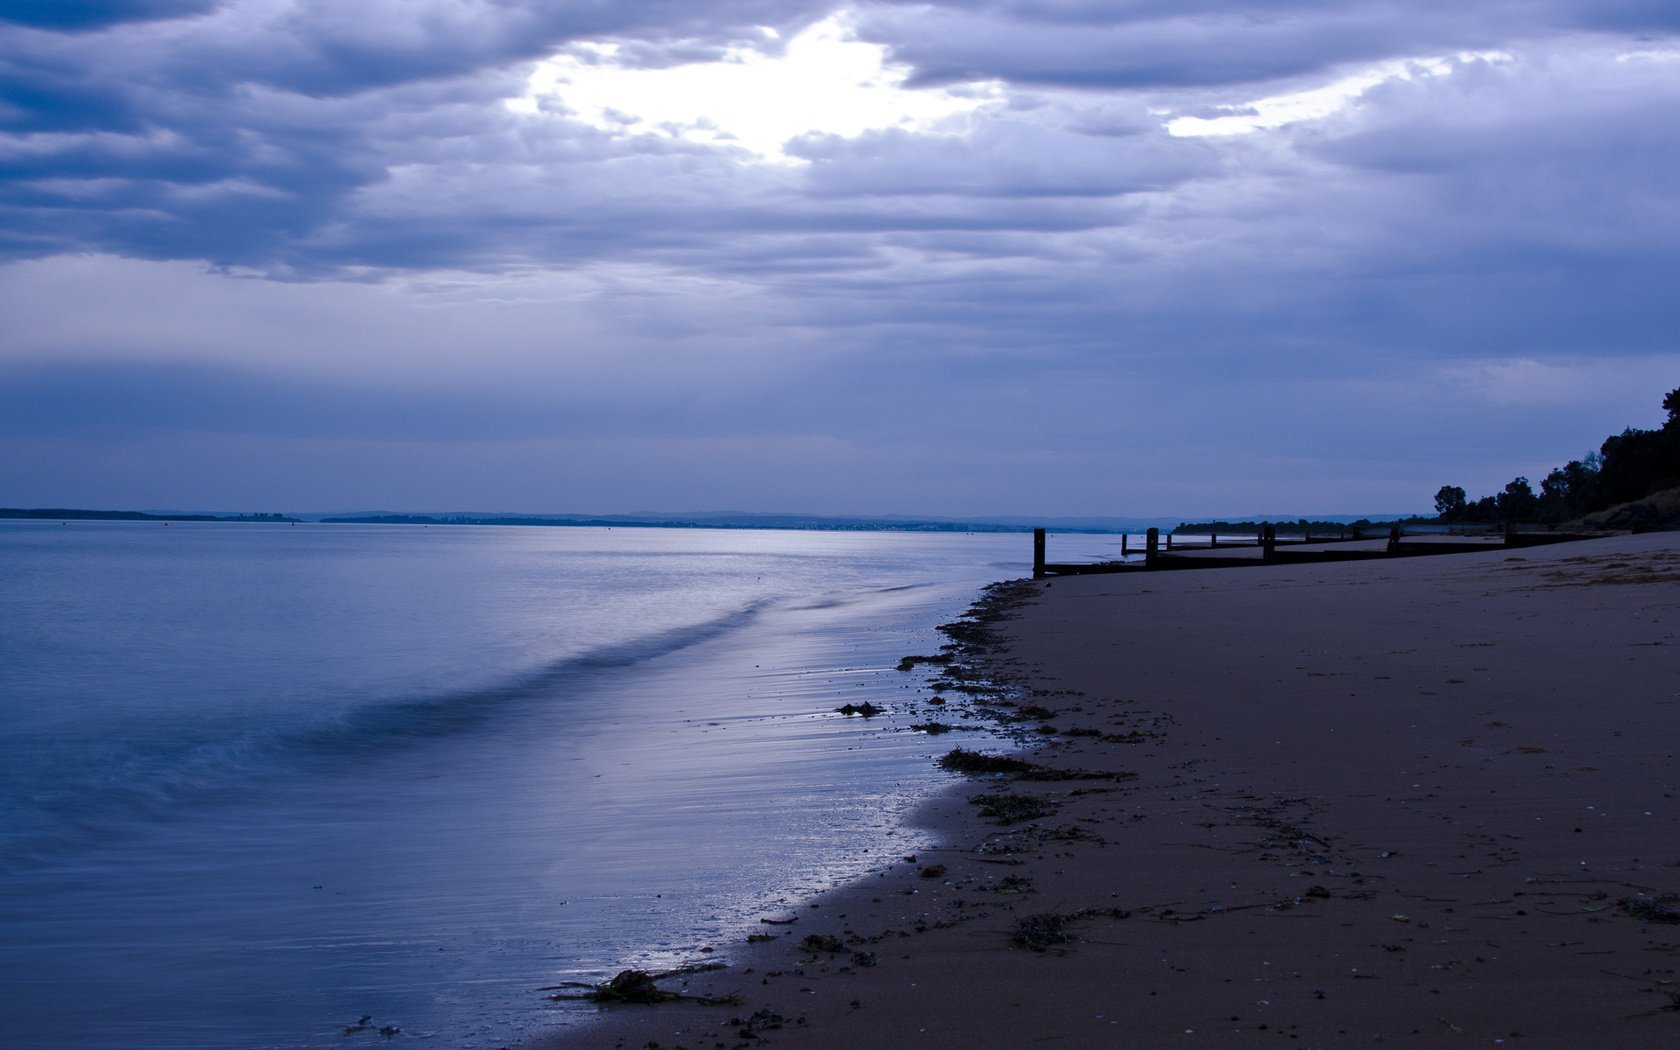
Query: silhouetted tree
[
  {"x": 1637, "y": 463},
  {"x": 1449, "y": 503},
  {"x": 1628, "y": 466},
  {"x": 1517, "y": 502},
  {"x": 1571, "y": 490}
]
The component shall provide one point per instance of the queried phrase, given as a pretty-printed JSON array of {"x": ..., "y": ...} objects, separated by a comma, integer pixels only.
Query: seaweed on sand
[
  {"x": 975, "y": 632},
  {"x": 1042, "y": 932},
  {"x": 1652, "y": 909},
  {"x": 1048, "y": 930},
  {"x": 639, "y": 986},
  {"x": 935, "y": 728},
  {"x": 1069, "y": 833},
  {"x": 389, "y": 1031},
  {"x": 909, "y": 662},
  {"x": 962, "y": 760},
  {"x": 1007, "y": 808}
]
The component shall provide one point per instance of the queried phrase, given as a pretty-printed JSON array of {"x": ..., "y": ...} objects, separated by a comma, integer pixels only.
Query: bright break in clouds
[
  {"x": 824, "y": 81},
  {"x": 954, "y": 258}
]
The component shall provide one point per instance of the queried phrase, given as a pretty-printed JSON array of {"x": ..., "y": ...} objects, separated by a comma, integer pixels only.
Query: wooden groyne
[{"x": 1268, "y": 547}]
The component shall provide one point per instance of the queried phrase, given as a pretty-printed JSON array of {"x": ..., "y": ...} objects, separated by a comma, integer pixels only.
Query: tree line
[{"x": 1629, "y": 466}]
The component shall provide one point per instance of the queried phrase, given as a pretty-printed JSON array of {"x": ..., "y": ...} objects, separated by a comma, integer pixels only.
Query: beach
[{"x": 1423, "y": 801}]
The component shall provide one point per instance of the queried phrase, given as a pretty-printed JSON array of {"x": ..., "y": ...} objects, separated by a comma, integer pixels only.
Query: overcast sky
[{"x": 1065, "y": 257}]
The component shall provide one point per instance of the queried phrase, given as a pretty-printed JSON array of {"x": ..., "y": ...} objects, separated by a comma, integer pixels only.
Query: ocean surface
[{"x": 259, "y": 783}]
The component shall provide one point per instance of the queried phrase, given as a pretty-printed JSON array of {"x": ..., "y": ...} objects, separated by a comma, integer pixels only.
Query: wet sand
[{"x": 1426, "y": 802}]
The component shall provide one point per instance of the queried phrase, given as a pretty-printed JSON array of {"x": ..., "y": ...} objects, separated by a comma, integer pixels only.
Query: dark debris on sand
[
  {"x": 1652, "y": 909},
  {"x": 1007, "y": 808},
  {"x": 962, "y": 760},
  {"x": 641, "y": 987},
  {"x": 1048, "y": 930},
  {"x": 909, "y": 663}
]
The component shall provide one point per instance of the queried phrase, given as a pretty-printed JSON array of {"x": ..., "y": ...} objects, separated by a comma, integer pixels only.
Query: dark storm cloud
[
  {"x": 81, "y": 15},
  {"x": 1220, "y": 43},
  {"x": 1212, "y": 43},
  {"x": 39, "y": 97},
  {"x": 1626, "y": 16},
  {"x": 1181, "y": 51},
  {"x": 324, "y": 48}
]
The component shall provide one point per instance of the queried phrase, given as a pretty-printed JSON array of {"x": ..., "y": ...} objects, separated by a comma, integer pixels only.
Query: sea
[{"x": 272, "y": 785}]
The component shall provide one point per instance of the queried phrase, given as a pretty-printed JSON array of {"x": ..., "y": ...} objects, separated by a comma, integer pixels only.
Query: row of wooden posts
[{"x": 1157, "y": 557}]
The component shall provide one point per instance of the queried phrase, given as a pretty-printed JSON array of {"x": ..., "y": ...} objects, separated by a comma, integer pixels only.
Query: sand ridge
[{"x": 1423, "y": 802}]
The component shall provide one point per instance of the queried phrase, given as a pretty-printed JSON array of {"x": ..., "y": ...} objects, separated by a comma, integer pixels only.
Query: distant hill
[
  {"x": 697, "y": 520},
  {"x": 749, "y": 520},
  {"x": 1284, "y": 521},
  {"x": 65, "y": 514}
]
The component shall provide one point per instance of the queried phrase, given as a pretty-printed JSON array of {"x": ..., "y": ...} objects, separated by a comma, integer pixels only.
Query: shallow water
[{"x": 260, "y": 781}]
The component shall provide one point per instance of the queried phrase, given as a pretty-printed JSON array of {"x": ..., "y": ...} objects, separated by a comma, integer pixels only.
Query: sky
[{"x": 949, "y": 258}]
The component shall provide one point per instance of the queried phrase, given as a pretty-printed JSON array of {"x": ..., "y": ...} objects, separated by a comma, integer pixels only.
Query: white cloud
[
  {"x": 1316, "y": 103},
  {"x": 825, "y": 81}
]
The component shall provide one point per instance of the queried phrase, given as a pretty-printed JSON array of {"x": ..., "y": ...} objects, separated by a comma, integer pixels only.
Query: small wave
[
  {"x": 115, "y": 790},
  {"x": 382, "y": 726}
]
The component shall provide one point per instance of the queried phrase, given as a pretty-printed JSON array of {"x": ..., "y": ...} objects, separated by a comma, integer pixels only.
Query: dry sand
[{"x": 1426, "y": 802}]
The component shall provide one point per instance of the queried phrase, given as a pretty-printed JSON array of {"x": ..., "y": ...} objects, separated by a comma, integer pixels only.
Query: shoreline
[{"x": 1415, "y": 802}]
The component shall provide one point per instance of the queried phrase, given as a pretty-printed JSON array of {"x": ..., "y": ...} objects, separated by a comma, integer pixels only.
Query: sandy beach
[{"x": 1424, "y": 802}]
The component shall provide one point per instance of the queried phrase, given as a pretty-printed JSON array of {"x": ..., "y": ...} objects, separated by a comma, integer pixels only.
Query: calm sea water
[{"x": 259, "y": 782}]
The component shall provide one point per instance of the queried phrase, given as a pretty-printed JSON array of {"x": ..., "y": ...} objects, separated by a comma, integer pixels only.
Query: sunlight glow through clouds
[
  {"x": 1277, "y": 110},
  {"x": 826, "y": 81}
]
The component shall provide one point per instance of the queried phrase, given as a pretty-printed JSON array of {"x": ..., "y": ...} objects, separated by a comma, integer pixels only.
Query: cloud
[
  {"x": 821, "y": 81},
  {"x": 289, "y": 224},
  {"x": 84, "y": 15},
  {"x": 1183, "y": 46},
  {"x": 308, "y": 140}
]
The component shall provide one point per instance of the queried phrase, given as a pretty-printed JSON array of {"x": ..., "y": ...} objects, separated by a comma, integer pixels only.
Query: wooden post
[
  {"x": 1394, "y": 539},
  {"x": 1152, "y": 546},
  {"x": 1169, "y": 541},
  {"x": 1123, "y": 539},
  {"x": 1038, "y": 554},
  {"x": 1268, "y": 542},
  {"x": 1213, "y": 540}
]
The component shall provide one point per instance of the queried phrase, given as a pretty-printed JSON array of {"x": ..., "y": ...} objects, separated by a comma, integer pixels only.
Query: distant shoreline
[
  {"x": 720, "y": 520},
  {"x": 64, "y": 514},
  {"x": 810, "y": 524},
  {"x": 776, "y": 522}
]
